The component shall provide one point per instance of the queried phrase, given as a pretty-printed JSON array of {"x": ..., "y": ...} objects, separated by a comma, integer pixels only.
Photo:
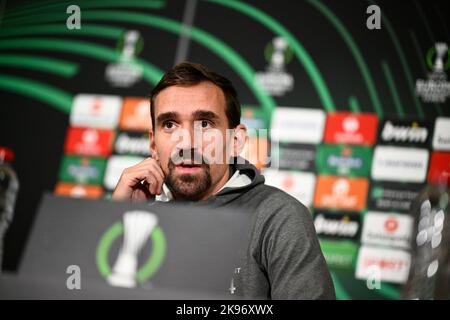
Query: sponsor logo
[
  {"x": 132, "y": 143},
  {"x": 393, "y": 264},
  {"x": 135, "y": 230},
  {"x": 345, "y": 127},
  {"x": 405, "y": 133},
  {"x": 275, "y": 80},
  {"x": 300, "y": 185},
  {"x": 436, "y": 88},
  {"x": 135, "y": 115},
  {"x": 441, "y": 138},
  {"x": 337, "y": 225},
  {"x": 439, "y": 168},
  {"x": 396, "y": 197},
  {"x": 115, "y": 167},
  {"x": 297, "y": 157},
  {"x": 391, "y": 225},
  {"x": 82, "y": 170},
  {"x": 341, "y": 193},
  {"x": 400, "y": 164},
  {"x": 339, "y": 254},
  {"x": 89, "y": 142},
  {"x": 298, "y": 125},
  {"x": 127, "y": 71},
  {"x": 344, "y": 160},
  {"x": 78, "y": 191},
  {"x": 391, "y": 230},
  {"x": 95, "y": 111}
]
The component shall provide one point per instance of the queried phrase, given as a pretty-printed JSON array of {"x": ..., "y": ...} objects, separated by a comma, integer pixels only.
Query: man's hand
[{"x": 140, "y": 182}]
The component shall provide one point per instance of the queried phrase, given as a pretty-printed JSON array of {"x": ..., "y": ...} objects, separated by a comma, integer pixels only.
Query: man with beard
[{"x": 284, "y": 260}]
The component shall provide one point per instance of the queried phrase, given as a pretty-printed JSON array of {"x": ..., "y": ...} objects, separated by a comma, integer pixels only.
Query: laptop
[{"x": 100, "y": 248}]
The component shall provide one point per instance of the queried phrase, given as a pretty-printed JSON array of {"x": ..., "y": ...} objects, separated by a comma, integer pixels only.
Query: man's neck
[{"x": 212, "y": 191}]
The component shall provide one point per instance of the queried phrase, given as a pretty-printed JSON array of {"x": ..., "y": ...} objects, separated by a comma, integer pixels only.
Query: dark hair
[{"x": 189, "y": 74}]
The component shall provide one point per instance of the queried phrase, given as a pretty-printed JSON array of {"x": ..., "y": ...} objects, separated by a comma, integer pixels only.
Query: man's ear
[
  {"x": 153, "y": 151},
  {"x": 240, "y": 138}
]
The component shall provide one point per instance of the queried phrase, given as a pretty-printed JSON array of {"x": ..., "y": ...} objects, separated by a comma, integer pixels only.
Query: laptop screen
[{"x": 158, "y": 246}]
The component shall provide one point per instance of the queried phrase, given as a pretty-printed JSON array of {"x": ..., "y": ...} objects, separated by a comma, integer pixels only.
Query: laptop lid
[{"x": 163, "y": 245}]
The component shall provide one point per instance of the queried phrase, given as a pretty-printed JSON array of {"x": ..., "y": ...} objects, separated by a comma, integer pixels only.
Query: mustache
[{"x": 188, "y": 155}]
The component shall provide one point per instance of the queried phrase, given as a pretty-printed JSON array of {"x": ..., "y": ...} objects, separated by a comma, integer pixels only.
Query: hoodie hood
[
  {"x": 243, "y": 167},
  {"x": 236, "y": 186}
]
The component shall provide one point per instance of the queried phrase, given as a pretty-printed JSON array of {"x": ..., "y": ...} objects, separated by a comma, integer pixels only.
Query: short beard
[{"x": 188, "y": 186}]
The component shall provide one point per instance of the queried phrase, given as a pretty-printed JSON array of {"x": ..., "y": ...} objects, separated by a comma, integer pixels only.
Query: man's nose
[
  {"x": 191, "y": 137},
  {"x": 187, "y": 153}
]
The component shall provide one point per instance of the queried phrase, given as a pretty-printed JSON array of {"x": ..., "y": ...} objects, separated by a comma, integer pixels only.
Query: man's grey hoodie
[{"x": 284, "y": 259}]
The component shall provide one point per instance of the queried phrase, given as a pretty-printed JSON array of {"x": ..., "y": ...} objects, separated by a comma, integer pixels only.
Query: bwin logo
[
  {"x": 137, "y": 228},
  {"x": 399, "y": 133}
]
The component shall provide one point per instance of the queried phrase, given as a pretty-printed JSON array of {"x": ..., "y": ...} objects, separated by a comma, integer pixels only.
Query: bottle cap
[{"x": 6, "y": 154}]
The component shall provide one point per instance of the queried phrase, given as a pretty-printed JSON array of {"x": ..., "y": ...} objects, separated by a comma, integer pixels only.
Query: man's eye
[
  {"x": 205, "y": 124},
  {"x": 168, "y": 125}
]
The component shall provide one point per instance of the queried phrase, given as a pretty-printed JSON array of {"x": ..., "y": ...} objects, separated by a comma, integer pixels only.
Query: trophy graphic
[
  {"x": 436, "y": 88},
  {"x": 130, "y": 39},
  {"x": 138, "y": 225},
  {"x": 275, "y": 80},
  {"x": 126, "y": 71},
  {"x": 277, "y": 60},
  {"x": 441, "y": 50}
]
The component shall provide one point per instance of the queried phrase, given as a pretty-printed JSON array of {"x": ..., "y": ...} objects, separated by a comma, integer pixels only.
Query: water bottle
[
  {"x": 429, "y": 277},
  {"x": 9, "y": 187}
]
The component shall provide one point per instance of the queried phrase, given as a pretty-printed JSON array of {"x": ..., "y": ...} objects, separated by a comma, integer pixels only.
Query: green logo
[
  {"x": 433, "y": 57},
  {"x": 278, "y": 46},
  {"x": 84, "y": 170},
  {"x": 339, "y": 254},
  {"x": 130, "y": 44},
  {"x": 344, "y": 160},
  {"x": 377, "y": 192},
  {"x": 150, "y": 267}
]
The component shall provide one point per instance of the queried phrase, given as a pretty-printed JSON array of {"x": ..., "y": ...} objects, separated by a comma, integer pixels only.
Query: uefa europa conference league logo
[
  {"x": 275, "y": 80},
  {"x": 127, "y": 71},
  {"x": 436, "y": 88},
  {"x": 137, "y": 227}
]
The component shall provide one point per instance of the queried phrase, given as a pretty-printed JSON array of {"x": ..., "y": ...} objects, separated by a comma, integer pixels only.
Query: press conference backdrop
[{"x": 362, "y": 114}]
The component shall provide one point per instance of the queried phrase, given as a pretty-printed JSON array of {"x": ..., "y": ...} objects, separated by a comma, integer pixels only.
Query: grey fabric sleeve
[{"x": 290, "y": 251}]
